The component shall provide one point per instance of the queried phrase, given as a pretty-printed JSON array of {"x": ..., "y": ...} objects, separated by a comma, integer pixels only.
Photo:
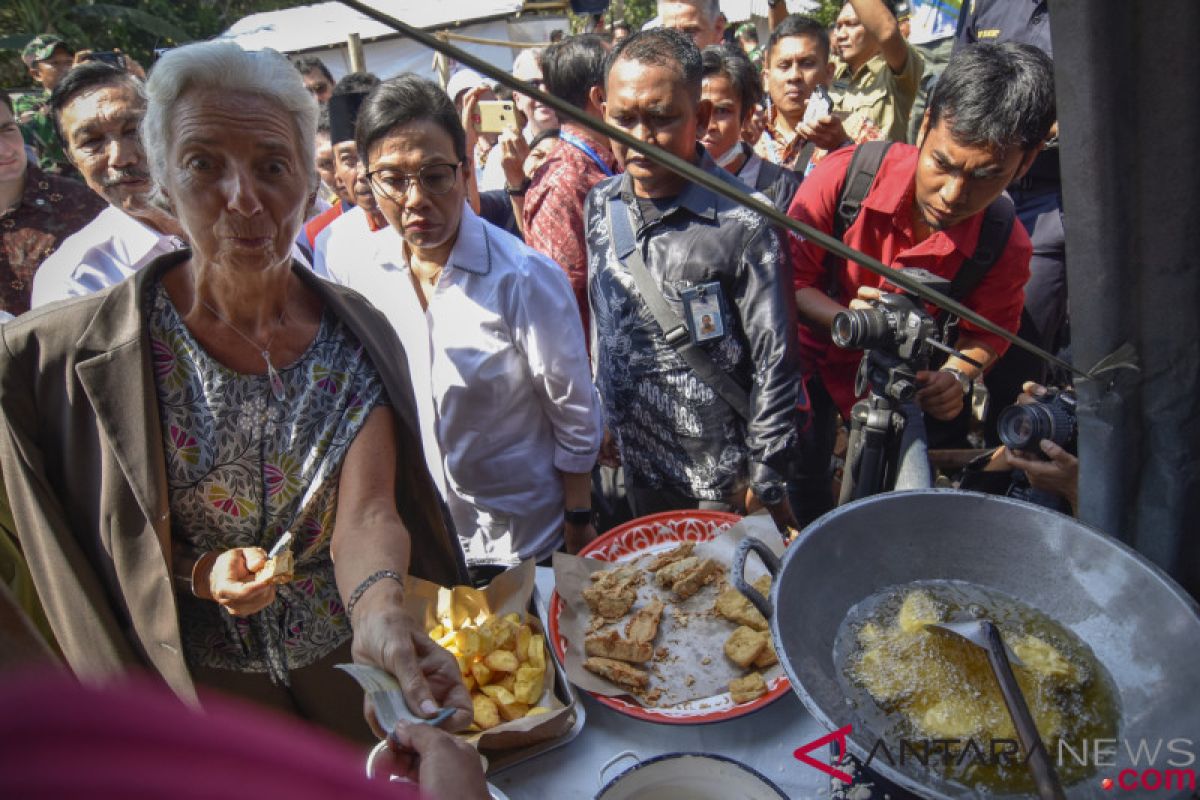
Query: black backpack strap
[
  {"x": 803, "y": 157},
  {"x": 860, "y": 175},
  {"x": 994, "y": 233}
]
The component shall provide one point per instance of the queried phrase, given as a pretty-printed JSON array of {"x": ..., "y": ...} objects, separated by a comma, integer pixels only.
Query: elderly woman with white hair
[{"x": 160, "y": 438}]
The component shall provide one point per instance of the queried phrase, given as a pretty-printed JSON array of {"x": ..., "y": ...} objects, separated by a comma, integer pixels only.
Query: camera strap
[
  {"x": 860, "y": 175},
  {"x": 993, "y": 238},
  {"x": 675, "y": 330}
]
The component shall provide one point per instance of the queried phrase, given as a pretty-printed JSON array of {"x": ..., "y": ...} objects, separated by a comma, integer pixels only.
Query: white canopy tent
[{"x": 321, "y": 30}]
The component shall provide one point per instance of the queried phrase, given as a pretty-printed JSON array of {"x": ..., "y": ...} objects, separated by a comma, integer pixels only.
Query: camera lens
[
  {"x": 862, "y": 329},
  {"x": 1023, "y": 427}
]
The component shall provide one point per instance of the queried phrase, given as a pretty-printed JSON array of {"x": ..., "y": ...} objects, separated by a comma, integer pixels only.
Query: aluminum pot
[
  {"x": 1141, "y": 626},
  {"x": 694, "y": 776}
]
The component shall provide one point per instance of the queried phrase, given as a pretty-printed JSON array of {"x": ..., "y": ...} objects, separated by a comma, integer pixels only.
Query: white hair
[
  {"x": 710, "y": 8},
  {"x": 528, "y": 56},
  {"x": 227, "y": 68}
]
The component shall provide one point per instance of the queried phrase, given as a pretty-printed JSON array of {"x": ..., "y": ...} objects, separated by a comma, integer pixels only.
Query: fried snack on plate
[
  {"x": 643, "y": 625},
  {"x": 671, "y": 556},
  {"x": 696, "y": 578},
  {"x": 751, "y": 687},
  {"x": 613, "y": 592},
  {"x": 279, "y": 569},
  {"x": 733, "y": 606},
  {"x": 768, "y": 657},
  {"x": 676, "y": 569},
  {"x": 763, "y": 584},
  {"x": 744, "y": 645},
  {"x": 610, "y": 645},
  {"x": 618, "y": 672}
]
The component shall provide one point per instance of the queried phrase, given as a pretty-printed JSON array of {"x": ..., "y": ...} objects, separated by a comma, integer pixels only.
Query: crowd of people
[{"x": 271, "y": 309}]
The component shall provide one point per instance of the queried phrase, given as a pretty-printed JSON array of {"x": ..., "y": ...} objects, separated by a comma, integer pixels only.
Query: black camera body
[
  {"x": 1052, "y": 416},
  {"x": 898, "y": 323}
]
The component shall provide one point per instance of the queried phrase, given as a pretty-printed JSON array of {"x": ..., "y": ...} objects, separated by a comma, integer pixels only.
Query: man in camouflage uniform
[{"x": 48, "y": 58}]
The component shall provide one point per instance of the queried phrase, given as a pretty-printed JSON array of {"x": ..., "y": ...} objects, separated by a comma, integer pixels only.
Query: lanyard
[{"x": 587, "y": 150}]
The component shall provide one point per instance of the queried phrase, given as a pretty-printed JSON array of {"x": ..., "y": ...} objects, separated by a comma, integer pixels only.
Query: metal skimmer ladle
[{"x": 984, "y": 633}]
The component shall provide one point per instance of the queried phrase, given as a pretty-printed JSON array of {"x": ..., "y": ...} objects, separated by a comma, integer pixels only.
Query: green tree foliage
[
  {"x": 827, "y": 11},
  {"x": 136, "y": 27}
]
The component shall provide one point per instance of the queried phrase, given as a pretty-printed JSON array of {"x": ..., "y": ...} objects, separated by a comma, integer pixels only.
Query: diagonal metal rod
[{"x": 689, "y": 171}]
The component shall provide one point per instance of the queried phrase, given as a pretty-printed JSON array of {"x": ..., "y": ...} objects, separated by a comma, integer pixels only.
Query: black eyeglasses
[{"x": 434, "y": 178}]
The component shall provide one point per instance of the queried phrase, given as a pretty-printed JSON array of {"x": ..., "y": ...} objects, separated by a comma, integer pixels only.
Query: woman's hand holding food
[
  {"x": 232, "y": 580},
  {"x": 385, "y": 637}
]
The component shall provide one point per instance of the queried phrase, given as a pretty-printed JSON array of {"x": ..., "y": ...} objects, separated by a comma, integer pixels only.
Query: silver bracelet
[{"x": 368, "y": 582}]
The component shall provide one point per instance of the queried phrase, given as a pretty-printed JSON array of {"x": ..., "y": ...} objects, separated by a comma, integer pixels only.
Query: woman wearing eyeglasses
[{"x": 511, "y": 422}]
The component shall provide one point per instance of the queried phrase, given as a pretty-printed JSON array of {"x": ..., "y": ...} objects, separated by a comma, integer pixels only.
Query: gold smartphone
[{"x": 495, "y": 116}]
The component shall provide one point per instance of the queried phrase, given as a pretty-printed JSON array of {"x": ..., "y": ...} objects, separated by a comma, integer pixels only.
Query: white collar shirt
[
  {"x": 105, "y": 252},
  {"x": 344, "y": 243},
  {"x": 504, "y": 391}
]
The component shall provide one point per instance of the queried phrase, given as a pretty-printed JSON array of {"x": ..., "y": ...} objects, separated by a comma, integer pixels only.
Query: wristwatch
[
  {"x": 578, "y": 516},
  {"x": 518, "y": 190},
  {"x": 964, "y": 382}
]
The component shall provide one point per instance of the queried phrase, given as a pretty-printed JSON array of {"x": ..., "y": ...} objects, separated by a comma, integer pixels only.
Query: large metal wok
[{"x": 1142, "y": 627}]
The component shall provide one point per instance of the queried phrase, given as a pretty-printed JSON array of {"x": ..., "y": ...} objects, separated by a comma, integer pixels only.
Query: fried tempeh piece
[
  {"x": 744, "y": 645},
  {"x": 618, "y": 672},
  {"x": 768, "y": 657},
  {"x": 693, "y": 580},
  {"x": 672, "y": 572},
  {"x": 613, "y": 592},
  {"x": 671, "y": 556},
  {"x": 751, "y": 687},
  {"x": 733, "y": 606},
  {"x": 610, "y": 645},
  {"x": 643, "y": 626}
]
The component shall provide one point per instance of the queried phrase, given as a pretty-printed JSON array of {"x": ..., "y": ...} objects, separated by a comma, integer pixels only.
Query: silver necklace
[{"x": 273, "y": 378}]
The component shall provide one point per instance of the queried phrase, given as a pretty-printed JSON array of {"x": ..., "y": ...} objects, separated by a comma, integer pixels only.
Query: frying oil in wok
[{"x": 913, "y": 685}]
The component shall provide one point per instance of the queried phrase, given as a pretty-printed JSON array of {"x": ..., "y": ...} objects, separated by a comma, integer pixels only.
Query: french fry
[
  {"x": 487, "y": 715},
  {"x": 528, "y": 685},
  {"x": 501, "y": 661},
  {"x": 524, "y": 632},
  {"x": 482, "y": 674},
  {"x": 537, "y": 651},
  {"x": 537, "y": 710},
  {"x": 467, "y": 641},
  {"x": 501, "y": 695}
]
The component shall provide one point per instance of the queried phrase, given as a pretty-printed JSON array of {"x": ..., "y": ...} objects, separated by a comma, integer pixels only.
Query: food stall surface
[{"x": 763, "y": 741}]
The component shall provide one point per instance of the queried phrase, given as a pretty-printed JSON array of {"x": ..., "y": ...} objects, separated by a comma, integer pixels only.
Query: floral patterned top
[{"x": 244, "y": 468}]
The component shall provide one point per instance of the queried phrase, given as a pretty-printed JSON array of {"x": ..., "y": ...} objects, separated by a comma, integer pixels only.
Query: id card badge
[{"x": 704, "y": 310}]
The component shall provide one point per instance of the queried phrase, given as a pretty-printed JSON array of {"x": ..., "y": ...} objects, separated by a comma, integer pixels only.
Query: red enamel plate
[{"x": 653, "y": 534}]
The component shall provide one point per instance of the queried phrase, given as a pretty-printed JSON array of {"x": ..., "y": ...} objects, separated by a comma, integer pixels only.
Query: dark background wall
[{"x": 1128, "y": 83}]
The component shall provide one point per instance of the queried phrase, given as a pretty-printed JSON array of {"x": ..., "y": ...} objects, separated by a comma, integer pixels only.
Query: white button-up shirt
[
  {"x": 504, "y": 390},
  {"x": 105, "y": 252}
]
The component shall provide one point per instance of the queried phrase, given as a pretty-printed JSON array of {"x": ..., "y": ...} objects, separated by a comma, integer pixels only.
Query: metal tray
[{"x": 510, "y": 758}]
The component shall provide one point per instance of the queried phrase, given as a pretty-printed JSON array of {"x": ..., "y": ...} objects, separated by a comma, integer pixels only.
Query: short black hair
[
  {"x": 354, "y": 82},
  {"x": 732, "y": 62},
  {"x": 401, "y": 100},
  {"x": 996, "y": 95},
  {"x": 307, "y": 64},
  {"x": 83, "y": 78},
  {"x": 662, "y": 47},
  {"x": 7, "y": 101},
  {"x": 573, "y": 66},
  {"x": 799, "y": 25}
]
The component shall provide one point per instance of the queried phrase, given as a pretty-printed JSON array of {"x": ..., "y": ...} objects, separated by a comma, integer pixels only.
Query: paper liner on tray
[
  {"x": 510, "y": 592},
  {"x": 691, "y": 638}
]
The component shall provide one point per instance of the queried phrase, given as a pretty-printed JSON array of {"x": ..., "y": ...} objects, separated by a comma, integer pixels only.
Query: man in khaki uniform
[{"x": 878, "y": 73}]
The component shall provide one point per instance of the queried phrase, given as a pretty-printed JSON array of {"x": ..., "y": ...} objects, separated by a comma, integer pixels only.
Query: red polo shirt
[{"x": 884, "y": 230}]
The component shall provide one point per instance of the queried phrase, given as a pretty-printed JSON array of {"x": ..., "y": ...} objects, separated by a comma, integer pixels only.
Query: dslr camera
[
  {"x": 1052, "y": 416},
  {"x": 898, "y": 323}
]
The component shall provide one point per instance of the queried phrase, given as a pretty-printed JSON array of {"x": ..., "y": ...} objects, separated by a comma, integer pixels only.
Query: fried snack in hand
[
  {"x": 744, "y": 645},
  {"x": 610, "y": 645},
  {"x": 619, "y": 673},
  {"x": 751, "y": 687},
  {"x": 671, "y": 556},
  {"x": 643, "y": 626},
  {"x": 279, "y": 569}
]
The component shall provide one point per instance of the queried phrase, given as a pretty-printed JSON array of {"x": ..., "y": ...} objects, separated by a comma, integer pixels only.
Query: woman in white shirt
[{"x": 511, "y": 422}]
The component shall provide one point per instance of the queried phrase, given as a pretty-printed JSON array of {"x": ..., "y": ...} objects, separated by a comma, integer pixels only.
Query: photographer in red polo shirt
[{"x": 987, "y": 120}]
